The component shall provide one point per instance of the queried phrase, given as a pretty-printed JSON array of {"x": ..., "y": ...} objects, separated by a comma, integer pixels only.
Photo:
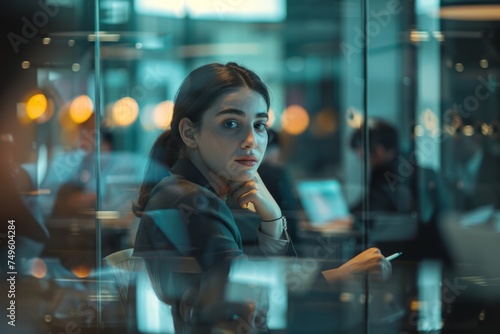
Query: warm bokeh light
[
  {"x": 354, "y": 118},
  {"x": 36, "y": 106},
  {"x": 81, "y": 108},
  {"x": 125, "y": 111},
  {"x": 271, "y": 119},
  {"x": 486, "y": 129},
  {"x": 324, "y": 123},
  {"x": 47, "y": 115},
  {"x": 430, "y": 122},
  {"x": 162, "y": 114},
  {"x": 459, "y": 67},
  {"x": 419, "y": 130},
  {"x": 38, "y": 268},
  {"x": 468, "y": 130},
  {"x": 295, "y": 119},
  {"x": 81, "y": 271}
]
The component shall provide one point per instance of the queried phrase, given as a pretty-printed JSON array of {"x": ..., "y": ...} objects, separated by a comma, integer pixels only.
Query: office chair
[{"x": 121, "y": 263}]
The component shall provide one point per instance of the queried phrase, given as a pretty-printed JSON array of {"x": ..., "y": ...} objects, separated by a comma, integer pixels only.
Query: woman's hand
[
  {"x": 370, "y": 261},
  {"x": 255, "y": 193}
]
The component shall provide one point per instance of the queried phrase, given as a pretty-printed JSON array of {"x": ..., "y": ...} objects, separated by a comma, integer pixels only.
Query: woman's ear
[{"x": 188, "y": 132}]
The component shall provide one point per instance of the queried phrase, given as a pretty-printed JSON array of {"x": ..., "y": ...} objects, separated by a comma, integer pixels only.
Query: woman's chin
[{"x": 243, "y": 177}]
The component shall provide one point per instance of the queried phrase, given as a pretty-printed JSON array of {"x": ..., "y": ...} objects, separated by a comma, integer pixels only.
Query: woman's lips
[{"x": 247, "y": 161}]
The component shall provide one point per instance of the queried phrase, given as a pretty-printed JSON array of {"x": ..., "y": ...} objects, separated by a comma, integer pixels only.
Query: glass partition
[{"x": 382, "y": 134}]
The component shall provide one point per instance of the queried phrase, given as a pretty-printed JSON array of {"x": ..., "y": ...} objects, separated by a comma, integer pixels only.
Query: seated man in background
[
  {"x": 386, "y": 192},
  {"x": 399, "y": 187}
]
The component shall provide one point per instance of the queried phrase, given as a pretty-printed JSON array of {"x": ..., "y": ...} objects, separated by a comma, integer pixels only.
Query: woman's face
[{"x": 232, "y": 138}]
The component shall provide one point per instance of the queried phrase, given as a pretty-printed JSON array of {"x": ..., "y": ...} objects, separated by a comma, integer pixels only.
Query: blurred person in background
[
  {"x": 385, "y": 193},
  {"x": 400, "y": 187}
]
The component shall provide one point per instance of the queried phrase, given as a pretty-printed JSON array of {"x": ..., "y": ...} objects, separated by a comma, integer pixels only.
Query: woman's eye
[
  {"x": 261, "y": 126},
  {"x": 230, "y": 124}
]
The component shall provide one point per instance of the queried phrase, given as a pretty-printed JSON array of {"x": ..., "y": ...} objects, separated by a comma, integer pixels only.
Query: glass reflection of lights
[
  {"x": 459, "y": 67},
  {"x": 419, "y": 36},
  {"x": 471, "y": 12},
  {"x": 75, "y": 67},
  {"x": 295, "y": 119},
  {"x": 484, "y": 63},
  {"x": 81, "y": 108},
  {"x": 264, "y": 278},
  {"x": 38, "y": 268},
  {"x": 241, "y": 10},
  {"x": 125, "y": 111},
  {"x": 153, "y": 315},
  {"x": 25, "y": 65}
]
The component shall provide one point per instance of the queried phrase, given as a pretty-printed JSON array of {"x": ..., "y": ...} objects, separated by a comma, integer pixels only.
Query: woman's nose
[{"x": 249, "y": 139}]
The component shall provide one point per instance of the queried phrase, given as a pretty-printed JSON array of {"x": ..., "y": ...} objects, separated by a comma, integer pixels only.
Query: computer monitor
[{"x": 322, "y": 200}]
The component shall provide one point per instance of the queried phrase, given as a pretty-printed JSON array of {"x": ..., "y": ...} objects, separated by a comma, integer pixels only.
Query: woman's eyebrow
[
  {"x": 231, "y": 111},
  {"x": 241, "y": 113}
]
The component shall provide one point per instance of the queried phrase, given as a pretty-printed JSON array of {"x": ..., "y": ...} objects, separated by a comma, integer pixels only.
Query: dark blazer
[{"x": 185, "y": 217}]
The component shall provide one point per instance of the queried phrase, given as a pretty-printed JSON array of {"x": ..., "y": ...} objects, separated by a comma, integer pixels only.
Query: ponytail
[{"x": 164, "y": 153}]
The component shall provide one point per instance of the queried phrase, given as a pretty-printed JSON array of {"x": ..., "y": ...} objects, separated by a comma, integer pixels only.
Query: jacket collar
[{"x": 186, "y": 169}]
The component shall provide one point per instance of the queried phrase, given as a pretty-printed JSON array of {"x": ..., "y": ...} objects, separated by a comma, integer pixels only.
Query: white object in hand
[{"x": 393, "y": 256}]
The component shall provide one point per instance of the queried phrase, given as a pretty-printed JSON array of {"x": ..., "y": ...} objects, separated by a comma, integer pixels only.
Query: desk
[
  {"x": 74, "y": 240},
  {"x": 330, "y": 242}
]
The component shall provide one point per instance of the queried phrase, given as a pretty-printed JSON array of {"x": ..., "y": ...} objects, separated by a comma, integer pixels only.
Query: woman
[{"x": 217, "y": 141}]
